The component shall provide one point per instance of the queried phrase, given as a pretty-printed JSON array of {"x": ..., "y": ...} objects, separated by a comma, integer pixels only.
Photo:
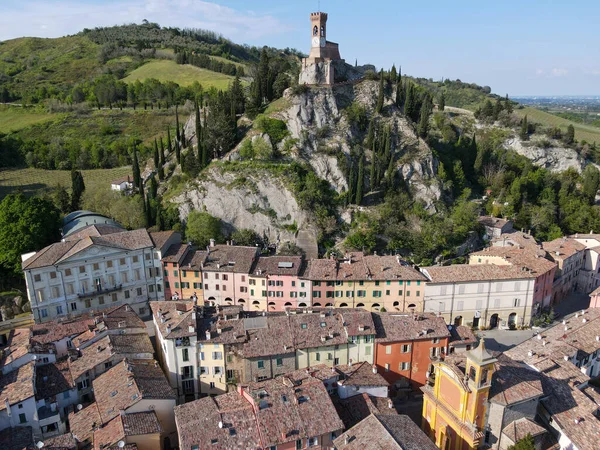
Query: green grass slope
[
  {"x": 583, "y": 132},
  {"x": 184, "y": 75},
  {"x": 34, "y": 181},
  {"x": 15, "y": 118}
]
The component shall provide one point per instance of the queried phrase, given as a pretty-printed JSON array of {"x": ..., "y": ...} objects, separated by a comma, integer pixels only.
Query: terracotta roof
[
  {"x": 230, "y": 258},
  {"x": 462, "y": 335},
  {"x": 126, "y": 383},
  {"x": 321, "y": 269},
  {"x": 520, "y": 428},
  {"x": 197, "y": 423},
  {"x": 275, "y": 339},
  {"x": 82, "y": 423},
  {"x": 458, "y": 273},
  {"x": 175, "y": 253},
  {"x": 125, "y": 344},
  {"x": 124, "y": 179},
  {"x": 360, "y": 374},
  {"x": 17, "y": 438},
  {"x": 513, "y": 383},
  {"x": 139, "y": 423},
  {"x": 391, "y": 268},
  {"x": 532, "y": 258},
  {"x": 561, "y": 248},
  {"x": 494, "y": 222},
  {"x": 313, "y": 330},
  {"x": 159, "y": 238},
  {"x": 194, "y": 261},
  {"x": 100, "y": 229},
  {"x": 53, "y": 379},
  {"x": 60, "y": 251},
  {"x": 352, "y": 267},
  {"x": 120, "y": 317},
  {"x": 61, "y": 442},
  {"x": 272, "y": 265},
  {"x": 354, "y": 409},
  {"x": 109, "y": 434},
  {"x": 595, "y": 292},
  {"x": 101, "y": 351},
  {"x": 385, "y": 432},
  {"x": 17, "y": 345},
  {"x": 515, "y": 238},
  {"x": 392, "y": 327},
  {"x": 174, "y": 318},
  {"x": 55, "y": 330},
  {"x": 17, "y": 385},
  {"x": 286, "y": 413},
  {"x": 358, "y": 322}
]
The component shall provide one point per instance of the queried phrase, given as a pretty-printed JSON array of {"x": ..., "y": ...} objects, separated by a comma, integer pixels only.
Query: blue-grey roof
[{"x": 77, "y": 220}]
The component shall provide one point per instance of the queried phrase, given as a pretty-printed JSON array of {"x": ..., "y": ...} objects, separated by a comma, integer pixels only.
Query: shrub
[
  {"x": 357, "y": 115},
  {"x": 275, "y": 128},
  {"x": 262, "y": 149},
  {"x": 246, "y": 149}
]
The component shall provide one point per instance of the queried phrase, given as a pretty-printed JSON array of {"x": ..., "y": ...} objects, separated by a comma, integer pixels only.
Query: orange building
[
  {"x": 406, "y": 346},
  {"x": 454, "y": 408},
  {"x": 182, "y": 271}
]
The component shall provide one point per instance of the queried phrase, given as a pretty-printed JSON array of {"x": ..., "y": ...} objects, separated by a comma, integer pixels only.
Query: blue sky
[{"x": 538, "y": 47}]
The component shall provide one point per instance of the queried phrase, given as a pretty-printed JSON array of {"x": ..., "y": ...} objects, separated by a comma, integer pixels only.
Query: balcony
[
  {"x": 96, "y": 292},
  {"x": 48, "y": 412}
]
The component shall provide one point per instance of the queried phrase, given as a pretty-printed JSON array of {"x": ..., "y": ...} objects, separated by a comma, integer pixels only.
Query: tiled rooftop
[
  {"x": 175, "y": 253},
  {"x": 561, "y": 248},
  {"x": 354, "y": 409},
  {"x": 139, "y": 423},
  {"x": 286, "y": 413},
  {"x": 271, "y": 265},
  {"x": 462, "y": 335},
  {"x": 83, "y": 422},
  {"x": 61, "y": 442},
  {"x": 490, "y": 221},
  {"x": 532, "y": 258},
  {"x": 322, "y": 269},
  {"x": 17, "y": 345},
  {"x": 391, "y": 268},
  {"x": 198, "y": 423},
  {"x": 230, "y": 258},
  {"x": 18, "y": 438},
  {"x": 127, "y": 383},
  {"x": 516, "y": 239},
  {"x": 159, "y": 238},
  {"x": 60, "y": 251},
  {"x": 109, "y": 434},
  {"x": 385, "y": 432},
  {"x": 17, "y": 385},
  {"x": 97, "y": 353},
  {"x": 193, "y": 261},
  {"x": 53, "y": 379},
  {"x": 520, "y": 428},
  {"x": 392, "y": 327},
  {"x": 458, "y": 273},
  {"x": 513, "y": 383},
  {"x": 360, "y": 374},
  {"x": 174, "y": 318},
  {"x": 275, "y": 339}
]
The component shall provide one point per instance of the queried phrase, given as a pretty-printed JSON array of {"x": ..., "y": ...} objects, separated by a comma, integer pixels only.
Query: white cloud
[
  {"x": 539, "y": 72},
  {"x": 594, "y": 72},
  {"x": 559, "y": 72},
  {"x": 45, "y": 18}
]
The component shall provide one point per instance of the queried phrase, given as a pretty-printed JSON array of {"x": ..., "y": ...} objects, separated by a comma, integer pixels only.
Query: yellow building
[{"x": 454, "y": 408}]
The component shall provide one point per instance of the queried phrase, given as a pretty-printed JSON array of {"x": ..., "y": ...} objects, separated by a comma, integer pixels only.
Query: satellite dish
[
  {"x": 39, "y": 444},
  {"x": 34, "y": 357},
  {"x": 79, "y": 407},
  {"x": 220, "y": 424},
  {"x": 121, "y": 444}
]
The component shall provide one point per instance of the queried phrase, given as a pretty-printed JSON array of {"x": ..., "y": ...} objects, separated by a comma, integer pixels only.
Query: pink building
[
  {"x": 171, "y": 262},
  {"x": 595, "y": 298},
  {"x": 225, "y": 274},
  {"x": 282, "y": 280}
]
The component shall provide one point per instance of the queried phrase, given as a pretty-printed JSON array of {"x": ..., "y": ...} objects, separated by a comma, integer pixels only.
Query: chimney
[
  {"x": 99, "y": 349},
  {"x": 374, "y": 368},
  {"x": 212, "y": 242},
  {"x": 191, "y": 329},
  {"x": 346, "y": 440},
  {"x": 208, "y": 335}
]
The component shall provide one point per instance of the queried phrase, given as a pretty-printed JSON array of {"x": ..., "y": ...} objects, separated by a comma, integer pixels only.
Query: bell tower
[
  {"x": 479, "y": 371},
  {"x": 318, "y": 34}
]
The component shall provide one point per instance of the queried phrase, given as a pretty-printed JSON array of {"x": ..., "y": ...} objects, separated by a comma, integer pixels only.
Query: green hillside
[
  {"x": 15, "y": 118},
  {"x": 182, "y": 74},
  {"x": 583, "y": 132}
]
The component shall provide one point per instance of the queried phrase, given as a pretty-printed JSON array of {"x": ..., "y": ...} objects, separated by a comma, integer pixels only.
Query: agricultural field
[
  {"x": 184, "y": 75},
  {"x": 15, "y": 118},
  {"x": 36, "y": 181},
  {"x": 583, "y": 132}
]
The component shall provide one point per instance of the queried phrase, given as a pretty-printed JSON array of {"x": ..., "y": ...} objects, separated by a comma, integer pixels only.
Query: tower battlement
[{"x": 317, "y": 15}]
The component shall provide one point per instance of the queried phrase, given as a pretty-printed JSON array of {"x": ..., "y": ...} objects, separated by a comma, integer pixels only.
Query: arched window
[
  {"x": 360, "y": 305},
  {"x": 288, "y": 304},
  {"x": 315, "y": 30},
  {"x": 302, "y": 305},
  {"x": 322, "y": 31},
  {"x": 343, "y": 305},
  {"x": 329, "y": 304},
  {"x": 241, "y": 301},
  {"x": 375, "y": 306},
  {"x": 256, "y": 302},
  {"x": 316, "y": 304}
]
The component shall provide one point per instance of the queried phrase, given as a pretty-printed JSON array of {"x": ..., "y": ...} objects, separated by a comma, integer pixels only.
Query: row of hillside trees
[{"x": 206, "y": 62}]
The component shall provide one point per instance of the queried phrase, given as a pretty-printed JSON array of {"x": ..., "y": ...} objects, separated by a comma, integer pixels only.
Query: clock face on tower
[
  {"x": 323, "y": 42},
  {"x": 315, "y": 42}
]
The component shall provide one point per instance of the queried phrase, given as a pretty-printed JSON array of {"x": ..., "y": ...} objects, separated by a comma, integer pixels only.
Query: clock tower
[{"x": 318, "y": 68}]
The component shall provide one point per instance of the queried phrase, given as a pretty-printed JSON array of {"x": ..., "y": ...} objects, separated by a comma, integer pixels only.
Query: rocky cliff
[{"x": 554, "y": 157}]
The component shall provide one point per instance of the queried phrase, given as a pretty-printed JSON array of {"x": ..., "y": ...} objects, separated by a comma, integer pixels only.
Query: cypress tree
[
  {"x": 161, "y": 173},
  {"x": 183, "y": 138},
  {"x": 372, "y": 173},
  {"x": 156, "y": 157},
  {"x": 199, "y": 136},
  {"x": 393, "y": 74},
  {"x": 153, "y": 188},
  {"x": 410, "y": 105},
  {"x": 361, "y": 179},
  {"x": 508, "y": 105},
  {"x": 178, "y": 152},
  {"x": 379, "y": 106},
  {"x": 148, "y": 211},
  {"x": 391, "y": 170},
  {"x": 77, "y": 188},
  {"x": 137, "y": 178},
  {"x": 263, "y": 73},
  {"x": 524, "y": 134},
  {"x": 205, "y": 153},
  {"x": 570, "y": 136},
  {"x": 370, "y": 135},
  {"x": 169, "y": 143},
  {"x": 442, "y": 101},
  {"x": 423, "y": 128},
  {"x": 177, "y": 123},
  {"x": 160, "y": 221},
  {"x": 351, "y": 183}
]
